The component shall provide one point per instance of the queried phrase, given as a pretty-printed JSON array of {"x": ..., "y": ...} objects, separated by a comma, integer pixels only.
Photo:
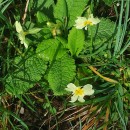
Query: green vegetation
[{"x": 47, "y": 44}]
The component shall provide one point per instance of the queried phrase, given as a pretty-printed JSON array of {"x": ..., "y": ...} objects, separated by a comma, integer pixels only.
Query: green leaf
[
  {"x": 75, "y": 9},
  {"x": 33, "y": 30},
  {"x": 120, "y": 99},
  {"x": 24, "y": 78},
  {"x": 50, "y": 48},
  {"x": 60, "y": 10},
  {"x": 41, "y": 17},
  {"x": 101, "y": 38},
  {"x": 61, "y": 73},
  {"x": 37, "y": 4},
  {"x": 5, "y": 6},
  {"x": 96, "y": 43},
  {"x": 109, "y": 2},
  {"x": 105, "y": 29},
  {"x": 1, "y": 2},
  {"x": 48, "y": 3},
  {"x": 76, "y": 41},
  {"x": 63, "y": 41}
]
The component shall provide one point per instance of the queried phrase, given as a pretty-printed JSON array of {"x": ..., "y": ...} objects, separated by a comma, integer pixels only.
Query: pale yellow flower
[
  {"x": 79, "y": 92},
  {"x": 21, "y": 34},
  {"x": 83, "y": 22}
]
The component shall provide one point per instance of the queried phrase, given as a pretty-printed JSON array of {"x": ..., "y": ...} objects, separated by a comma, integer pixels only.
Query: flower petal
[
  {"x": 71, "y": 87},
  {"x": 22, "y": 39},
  {"x": 18, "y": 27},
  {"x": 74, "y": 98},
  {"x": 94, "y": 20},
  {"x": 80, "y": 22},
  {"x": 80, "y": 99},
  {"x": 88, "y": 89},
  {"x": 25, "y": 44},
  {"x": 91, "y": 16},
  {"x": 86, "y": 28}
]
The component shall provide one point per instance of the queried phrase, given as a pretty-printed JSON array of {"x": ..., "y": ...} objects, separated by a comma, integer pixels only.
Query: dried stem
[{"x": 25, "y": 11}]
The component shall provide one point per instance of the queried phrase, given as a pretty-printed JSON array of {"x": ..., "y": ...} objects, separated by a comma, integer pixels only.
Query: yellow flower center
[
  {"x": 87, "y": 22},
  {"x": 79, "y": 92}
]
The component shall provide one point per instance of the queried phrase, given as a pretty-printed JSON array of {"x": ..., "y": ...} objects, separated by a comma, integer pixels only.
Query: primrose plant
[
  {"x": 47, "y": 50},
  {"x": 55, "y": 43}
]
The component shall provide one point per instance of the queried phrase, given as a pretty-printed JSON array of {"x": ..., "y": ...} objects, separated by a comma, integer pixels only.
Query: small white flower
[
  {"x": 21, "y": 34},
  {"x": 82, "y": 22},
  {"x": 79, "y": 92}
]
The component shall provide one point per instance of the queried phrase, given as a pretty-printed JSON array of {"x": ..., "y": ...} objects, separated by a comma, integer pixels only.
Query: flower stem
[{"x": 17, "y": 49}]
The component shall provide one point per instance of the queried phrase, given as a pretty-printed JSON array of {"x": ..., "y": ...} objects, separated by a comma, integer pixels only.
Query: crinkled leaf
[
  {"x": 15, "y": 85},
  {"x": 76, "y": 41},
  {"x": 46, "y": 33},
  {"x": 41, "y": 17},
  {"x": 60, "y": 10},
  {"x": 105, "y": 29},
  {"x": 50, "y": 49},
  {"x": 101, "y": 36},
  {"x": 61, "y": 73},
  {"x": 97, "y": 43},
  {"x": 48, "y": 3},
  {"x": 100, "y": 47},
  {"x": 75, "y": 9},
  {"x": 63, "y": 41},
  {"x": 24, "y": 78},
  {"x": 37, "y": 4},
  {"x": 36, "y": 67}
]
